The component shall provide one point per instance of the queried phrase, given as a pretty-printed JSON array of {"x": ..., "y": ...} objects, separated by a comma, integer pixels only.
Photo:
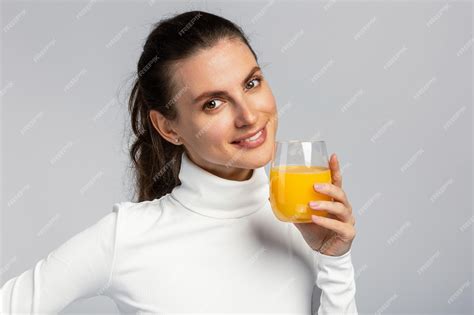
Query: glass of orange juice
[{"x": 296, "y": 166}]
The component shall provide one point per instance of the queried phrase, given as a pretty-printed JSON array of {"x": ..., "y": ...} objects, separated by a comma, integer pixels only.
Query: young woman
[{"x": 201, "y": 236}]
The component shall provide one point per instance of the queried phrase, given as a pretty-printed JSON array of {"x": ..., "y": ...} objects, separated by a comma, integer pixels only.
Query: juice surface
[{"x": 291, "y": 189}]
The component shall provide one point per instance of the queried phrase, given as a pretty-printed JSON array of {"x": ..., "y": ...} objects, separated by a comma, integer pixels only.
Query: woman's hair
[{"x": 155, "y": 160}]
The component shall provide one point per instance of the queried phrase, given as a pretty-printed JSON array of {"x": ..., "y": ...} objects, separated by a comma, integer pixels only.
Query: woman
[{"x": 202, "y": 236}]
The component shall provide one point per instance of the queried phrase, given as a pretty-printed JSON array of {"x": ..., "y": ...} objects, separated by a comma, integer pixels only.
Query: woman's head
[{"x": 199, "y": 82}]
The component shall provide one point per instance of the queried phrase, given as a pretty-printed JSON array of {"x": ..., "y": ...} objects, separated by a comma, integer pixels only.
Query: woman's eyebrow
[{"x": 224, "y": 93}]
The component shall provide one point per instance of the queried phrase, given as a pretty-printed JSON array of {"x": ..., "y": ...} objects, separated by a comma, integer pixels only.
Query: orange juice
[{"x": 291, "y": 190}]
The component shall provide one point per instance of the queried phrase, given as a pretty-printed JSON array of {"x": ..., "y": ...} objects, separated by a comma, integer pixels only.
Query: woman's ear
[{"x": 163, "y": 126}]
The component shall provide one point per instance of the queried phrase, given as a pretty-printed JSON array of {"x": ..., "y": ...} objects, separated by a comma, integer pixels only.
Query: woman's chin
[{"x": 255, "y": 158}]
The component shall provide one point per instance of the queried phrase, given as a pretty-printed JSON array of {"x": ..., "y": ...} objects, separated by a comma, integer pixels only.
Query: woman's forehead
[{"x": 221, "y": 67}]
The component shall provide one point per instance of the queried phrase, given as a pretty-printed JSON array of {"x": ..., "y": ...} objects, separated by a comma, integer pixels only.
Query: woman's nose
[{"x": 246, "y": 115}]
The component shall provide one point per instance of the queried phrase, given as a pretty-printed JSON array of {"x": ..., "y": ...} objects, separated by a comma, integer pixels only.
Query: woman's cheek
[
  {"x": 217, "y": 134},
  {"x": 267, "y": 101},
  {"x": 269, "y": 108}
]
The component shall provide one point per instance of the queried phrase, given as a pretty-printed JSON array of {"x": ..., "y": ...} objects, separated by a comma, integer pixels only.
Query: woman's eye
[
  {"x": 212, "y": 104},
  {"x": 251, "y": 83}
]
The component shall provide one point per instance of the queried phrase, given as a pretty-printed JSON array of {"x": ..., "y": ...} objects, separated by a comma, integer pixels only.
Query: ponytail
[{"x": 156, "y": 161}]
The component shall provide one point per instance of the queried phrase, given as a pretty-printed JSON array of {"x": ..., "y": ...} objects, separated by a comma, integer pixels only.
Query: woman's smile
[{"x": 253, "y": 141}]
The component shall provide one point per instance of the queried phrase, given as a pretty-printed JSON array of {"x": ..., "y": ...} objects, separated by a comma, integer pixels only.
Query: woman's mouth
[{"x": 254, "y": 141}]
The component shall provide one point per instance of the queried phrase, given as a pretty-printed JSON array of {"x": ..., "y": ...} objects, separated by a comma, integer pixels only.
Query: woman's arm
[
  {"x": 331, "y": 238},
  {"x": 79, "y": 268},
  {"x": 335, "y": 278}
]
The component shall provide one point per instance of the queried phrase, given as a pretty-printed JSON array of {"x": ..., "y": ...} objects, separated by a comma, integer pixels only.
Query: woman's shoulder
[
  {"x": 139, "y": 210},
  {"x": 135, "y": 217}
]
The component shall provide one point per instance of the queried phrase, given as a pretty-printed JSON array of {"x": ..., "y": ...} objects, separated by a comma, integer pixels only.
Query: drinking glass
[{"x": 296, "y": 166}]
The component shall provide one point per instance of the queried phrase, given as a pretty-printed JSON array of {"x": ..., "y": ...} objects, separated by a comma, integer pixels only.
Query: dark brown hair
[{"x": 155, "y": 160}]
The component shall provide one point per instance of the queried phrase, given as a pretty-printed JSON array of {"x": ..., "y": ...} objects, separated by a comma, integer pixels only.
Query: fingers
[
  {"x": 335, "y": 208},
  {"x": 336, "y": 174},
  {"x": 344, "y": 230},
  {"x": 333, "y": 191}
]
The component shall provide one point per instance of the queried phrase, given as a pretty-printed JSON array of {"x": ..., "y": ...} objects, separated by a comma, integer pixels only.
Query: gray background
[{"x": 387, "y": 84}]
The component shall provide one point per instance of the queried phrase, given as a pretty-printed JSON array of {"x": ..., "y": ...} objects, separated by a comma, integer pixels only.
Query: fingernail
[
  {"x": 315, "y": 217},
  {"x": 314, "y": 204},
  {"x": 319, "y": 187}
]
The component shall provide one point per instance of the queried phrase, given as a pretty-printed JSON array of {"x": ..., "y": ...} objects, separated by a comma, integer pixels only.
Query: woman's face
[{"x": 237, "y": 101}]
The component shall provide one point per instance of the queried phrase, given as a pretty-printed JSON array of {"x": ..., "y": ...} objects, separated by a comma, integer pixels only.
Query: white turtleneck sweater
[{"x": 211, "y": 245}]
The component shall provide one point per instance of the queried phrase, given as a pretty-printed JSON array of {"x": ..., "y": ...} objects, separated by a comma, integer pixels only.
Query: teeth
[
  {"x": 254, "y": 137},
  {"x": 251, "y": 139}
]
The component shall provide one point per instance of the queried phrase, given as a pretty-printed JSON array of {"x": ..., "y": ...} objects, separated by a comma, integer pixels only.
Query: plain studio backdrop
[{"x": 387, "y": 84}]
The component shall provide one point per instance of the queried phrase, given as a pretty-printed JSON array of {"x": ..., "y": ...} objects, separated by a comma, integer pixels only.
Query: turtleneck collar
[{"x": 213, "y": 196}]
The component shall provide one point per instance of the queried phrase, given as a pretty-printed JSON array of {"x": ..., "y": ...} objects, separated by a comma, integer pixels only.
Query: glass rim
[{"x": 301, "y": 141}]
